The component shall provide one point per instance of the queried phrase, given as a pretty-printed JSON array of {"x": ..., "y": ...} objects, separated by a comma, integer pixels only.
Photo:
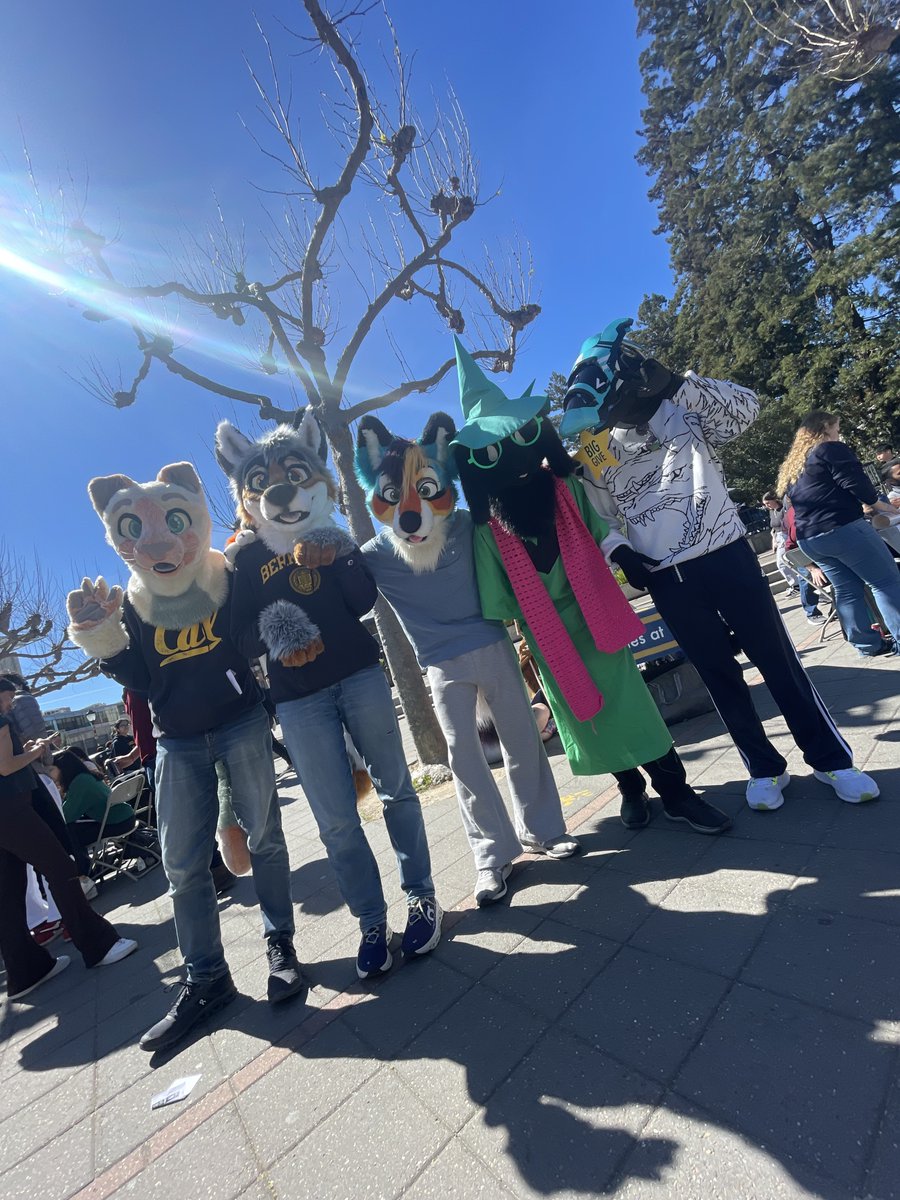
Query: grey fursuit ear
[
  {"x": 311, "y": 436},
  {"x": 232, "y": 447}
]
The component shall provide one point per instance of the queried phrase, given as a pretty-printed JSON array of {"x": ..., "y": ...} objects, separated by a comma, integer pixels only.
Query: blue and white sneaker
[
  {"x": 374, "y": 956},
  {"x": 423, "y": 926}
]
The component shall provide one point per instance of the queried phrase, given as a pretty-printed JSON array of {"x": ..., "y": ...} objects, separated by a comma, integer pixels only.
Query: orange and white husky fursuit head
[{"x": 409, "y": 486}]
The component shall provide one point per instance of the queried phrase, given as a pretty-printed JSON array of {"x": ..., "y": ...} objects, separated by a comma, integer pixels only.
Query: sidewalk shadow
[{"x": 767, "y": 1016}]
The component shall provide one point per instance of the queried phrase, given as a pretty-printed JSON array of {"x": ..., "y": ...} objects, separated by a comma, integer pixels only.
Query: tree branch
[{"x": 412, "y": 385}]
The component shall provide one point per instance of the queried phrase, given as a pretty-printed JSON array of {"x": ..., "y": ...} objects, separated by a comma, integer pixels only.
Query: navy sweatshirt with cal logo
[
  {"x": 333, "y": 598},
  {"x": 185, "y": 672}
]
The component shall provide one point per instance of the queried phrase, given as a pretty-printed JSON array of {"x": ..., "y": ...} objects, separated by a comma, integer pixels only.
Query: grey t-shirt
[{"x": 440, "y": 609}]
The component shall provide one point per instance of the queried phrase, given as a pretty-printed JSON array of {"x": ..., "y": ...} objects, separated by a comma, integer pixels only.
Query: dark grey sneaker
[
  {"x": 634, "y": 812},
  {"x": 195, "y": 1002},
  {"x": 285, "y": 975},
  {"x": 699, "y": 815}
]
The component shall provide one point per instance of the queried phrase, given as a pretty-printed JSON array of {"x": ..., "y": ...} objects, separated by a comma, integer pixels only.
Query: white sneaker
[
  {"x": 850, "y": 784},
  {"x": 59, "y": 964},
  {"x": 491, "y": 885},
  {"x": 117, "y": 951},
  {"x": 764, "y": 795},
  {"x": 561, "y": 847}
]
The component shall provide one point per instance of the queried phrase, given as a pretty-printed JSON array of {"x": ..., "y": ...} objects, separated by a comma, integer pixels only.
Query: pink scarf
[{"x": 609, "y": 616}]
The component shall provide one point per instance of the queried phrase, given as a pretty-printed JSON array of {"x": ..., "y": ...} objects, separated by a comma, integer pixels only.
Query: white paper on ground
[{"x": 179, "y": 1090}]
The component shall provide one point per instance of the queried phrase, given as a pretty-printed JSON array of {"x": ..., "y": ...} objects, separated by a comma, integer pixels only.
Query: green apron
[{"x": 628, "y": 730}]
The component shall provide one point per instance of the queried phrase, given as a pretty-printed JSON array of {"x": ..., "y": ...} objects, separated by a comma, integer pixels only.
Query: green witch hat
[{"x": 489, "y": 414}]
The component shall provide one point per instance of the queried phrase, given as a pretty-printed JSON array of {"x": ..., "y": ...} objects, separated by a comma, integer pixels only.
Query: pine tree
[{"x": 776, "y": 190}]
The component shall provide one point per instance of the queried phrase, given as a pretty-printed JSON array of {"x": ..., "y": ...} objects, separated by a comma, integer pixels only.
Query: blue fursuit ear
[{"x": 372, "y": 442}]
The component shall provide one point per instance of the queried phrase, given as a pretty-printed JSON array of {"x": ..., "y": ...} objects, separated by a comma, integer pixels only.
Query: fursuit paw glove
[
  {"x": 634, "y": 565},
  {"x": 320, "y": 547},
  {"x": 243, "y": 537},
  {"x": 289, "y": 634},
  {"x": 95, "y": 618}
]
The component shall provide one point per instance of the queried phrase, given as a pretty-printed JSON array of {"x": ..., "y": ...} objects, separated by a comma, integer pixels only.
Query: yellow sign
[{"x": 594, "y": 452}]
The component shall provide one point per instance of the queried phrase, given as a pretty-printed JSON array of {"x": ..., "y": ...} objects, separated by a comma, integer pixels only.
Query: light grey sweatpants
[{"x": 494, "y": 671}]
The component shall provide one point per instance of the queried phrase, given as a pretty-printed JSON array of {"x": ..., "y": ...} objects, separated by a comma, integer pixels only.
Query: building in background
[{"x": 90, "y": 727}]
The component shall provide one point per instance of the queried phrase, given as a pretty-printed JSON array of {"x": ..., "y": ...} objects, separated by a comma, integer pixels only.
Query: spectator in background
[
  {"x": 890, "y": 477},
  {"x": 25, "y": 838},
  {"x": 84, "y": 807},
  {"x": 776, "y": 524},
  {"x": 884, "y": 453},
  {"x": 809, "y": 597},
  {"x": 829, "y": 489},
  {"x": 125, "y": 752}
]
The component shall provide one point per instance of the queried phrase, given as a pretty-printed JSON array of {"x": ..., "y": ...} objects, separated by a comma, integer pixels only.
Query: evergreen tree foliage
[{"x": 777, "y": 190}]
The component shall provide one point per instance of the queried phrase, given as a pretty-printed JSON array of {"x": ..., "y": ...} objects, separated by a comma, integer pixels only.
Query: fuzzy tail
[{"x": 285, "y": 628}]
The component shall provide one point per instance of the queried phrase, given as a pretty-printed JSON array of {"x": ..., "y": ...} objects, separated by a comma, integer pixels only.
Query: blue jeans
[
  {"x": 851, "y": 556},
  {"x": 313, "y": 731},
  {"x": 187, "y": 807},
  {"x": 809, "y": 597}
]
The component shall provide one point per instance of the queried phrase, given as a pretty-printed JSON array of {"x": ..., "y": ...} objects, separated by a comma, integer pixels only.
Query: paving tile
[
  {"x": 689, "y": 926},
  {"x": 551, "y": 967},
  {"x": 295, "y": 1097},
  {"x": 485, "y": 935},
  {"x": 215, "y": 1160},
  {"x": 402, "y": 1004},
  {"x": 611, "y": 905},
  {"x": 463, "y": 1056},
  {"x": 684, "y": 1155},
  {"x": 42, "y": 1123},
  {"x": 62, "y": 1171},
  {"x": 561, "y": 1122},
  {"x": 792, "y": 1077},
  {"x": 127, "y": 1120},
  {"x": 381, "y": 1116},
  {"x": 843, "y": 963},
  {"x": 660, "y": 854},
  {"x": 858, "y": 883},
  {"x": 883, "y": 1178},
  {"x": 646, "y": 1011},
  {"x": 456, "y": 1175},
  {"x": 873, "y": 826}
]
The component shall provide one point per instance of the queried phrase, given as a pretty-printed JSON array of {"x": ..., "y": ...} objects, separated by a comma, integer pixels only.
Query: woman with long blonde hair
[{"x": 829, "y": 491}]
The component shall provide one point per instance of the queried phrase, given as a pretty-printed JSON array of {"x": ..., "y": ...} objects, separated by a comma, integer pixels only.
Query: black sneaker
[
  {"x": 374, "y": 955},
  {"x": 285, "y": 975},
  {"x": 195, "y": 1002},
  {"x": 423, "y": 926},
  {"x": 699, "y": 815},
  {"x": 635, "y": 811}
]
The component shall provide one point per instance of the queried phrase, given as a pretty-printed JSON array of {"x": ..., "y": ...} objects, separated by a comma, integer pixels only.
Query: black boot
[
  {"x": 680, "y": 801},
  {"x": 635, "y": 810},
  {"x": 285, "y": 975},
  {"x": 195, "y": 1002}
]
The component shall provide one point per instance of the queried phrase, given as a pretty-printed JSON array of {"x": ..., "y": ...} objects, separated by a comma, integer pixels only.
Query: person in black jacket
[
  {"x": 301, "y": 588},
  {"x": 168, "y": 638},
  {"x": 829, "y": 491}
]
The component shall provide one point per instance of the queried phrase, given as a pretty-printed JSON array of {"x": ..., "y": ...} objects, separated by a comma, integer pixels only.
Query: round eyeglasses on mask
[{"x": 486, "y": 457}]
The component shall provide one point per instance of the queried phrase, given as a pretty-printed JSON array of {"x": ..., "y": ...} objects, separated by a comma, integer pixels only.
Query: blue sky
[{"x": 141, "y": 108}]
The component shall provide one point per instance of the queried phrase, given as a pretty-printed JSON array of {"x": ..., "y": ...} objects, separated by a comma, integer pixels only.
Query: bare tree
[
  {"x": 845, "y": 39},
  {"x": 420, "y": 182},
  {"x": 33, "y": 639}
]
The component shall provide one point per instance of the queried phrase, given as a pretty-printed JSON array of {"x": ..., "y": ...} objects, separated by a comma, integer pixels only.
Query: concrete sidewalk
[{"x": 667, "y": 1015}]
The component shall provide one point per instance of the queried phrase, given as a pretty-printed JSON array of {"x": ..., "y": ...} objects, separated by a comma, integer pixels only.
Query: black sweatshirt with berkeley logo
[
  {"x": 333, "y": 599},
  {"x": 184, "y": 673}
]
